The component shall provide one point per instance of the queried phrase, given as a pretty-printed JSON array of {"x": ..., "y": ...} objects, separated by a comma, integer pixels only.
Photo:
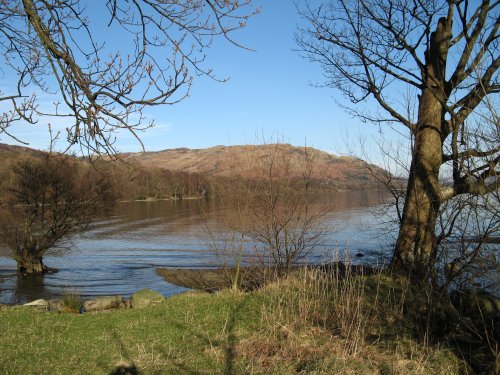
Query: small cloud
[{"x": 159, "y": 127}]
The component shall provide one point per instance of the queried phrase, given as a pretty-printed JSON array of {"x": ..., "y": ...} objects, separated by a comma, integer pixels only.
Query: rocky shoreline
[
  {"x": 206, "y": 279},
  {"x": 141, "y": 299}
]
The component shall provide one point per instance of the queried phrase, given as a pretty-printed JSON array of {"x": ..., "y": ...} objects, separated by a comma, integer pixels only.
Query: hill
[
  {"x": 185, "y": 172},
  {"x": 9, "y": 154},
  {"x": 246, "y": 160}
]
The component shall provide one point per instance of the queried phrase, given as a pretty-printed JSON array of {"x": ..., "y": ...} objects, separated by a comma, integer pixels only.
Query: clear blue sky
[{"x": 269, "y": 94}]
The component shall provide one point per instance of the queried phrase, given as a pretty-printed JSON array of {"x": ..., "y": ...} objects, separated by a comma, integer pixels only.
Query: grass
[
  {"x": 181, "y": 336},
  {"x": 305, "y": 324},
  {"x": 71, "y": 302}
]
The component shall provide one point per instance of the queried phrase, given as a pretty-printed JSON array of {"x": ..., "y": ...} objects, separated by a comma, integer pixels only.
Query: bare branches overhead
[
  {"x": 443, "y": 55},
  {"x": 382, "y": 49},
  {"x": 63, "y": 48}
]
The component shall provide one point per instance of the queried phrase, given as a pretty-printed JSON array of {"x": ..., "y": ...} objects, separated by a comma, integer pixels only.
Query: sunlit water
[{"x": 120, "y": 255}]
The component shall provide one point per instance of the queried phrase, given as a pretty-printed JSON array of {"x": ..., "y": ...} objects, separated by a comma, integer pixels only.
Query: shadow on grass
[
  {"x": 231, "y": 339},
  {"x": 125, "y": 370},
  {"x": 201, "y": 351}
]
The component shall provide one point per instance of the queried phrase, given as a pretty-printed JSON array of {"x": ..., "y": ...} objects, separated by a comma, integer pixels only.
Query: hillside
[
  {"x": 153, "y": 169},
  {"x": 9, "y": 154},
  {"x": 225, "y": 161}
]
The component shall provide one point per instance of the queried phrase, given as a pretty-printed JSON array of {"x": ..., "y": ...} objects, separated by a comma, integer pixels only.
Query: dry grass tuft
[
  {"x": 71, "y": 301},
  {"x": 333, "y": 322}
]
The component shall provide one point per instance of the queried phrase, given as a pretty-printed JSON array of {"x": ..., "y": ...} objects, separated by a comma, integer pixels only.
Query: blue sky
[{"x": 269, "y": 94}]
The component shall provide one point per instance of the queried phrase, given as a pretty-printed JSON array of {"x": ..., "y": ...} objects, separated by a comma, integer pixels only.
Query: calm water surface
[{"x": 120, "y": 255}]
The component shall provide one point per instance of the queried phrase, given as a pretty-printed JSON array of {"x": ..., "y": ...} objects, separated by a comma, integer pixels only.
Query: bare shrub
[
  {"x": 285, "y": 216},
  {"x": 271, "y": 220}
]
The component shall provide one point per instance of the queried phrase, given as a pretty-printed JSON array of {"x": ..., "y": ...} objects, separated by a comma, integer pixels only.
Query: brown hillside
[
  {"x": 225, "y": 161},
  {"x": 222, "y": 161},
  {"x": 10, "y": 154}
]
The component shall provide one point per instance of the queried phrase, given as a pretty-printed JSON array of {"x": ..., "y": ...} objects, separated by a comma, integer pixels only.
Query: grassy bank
[{"x": 307, "y": 324}]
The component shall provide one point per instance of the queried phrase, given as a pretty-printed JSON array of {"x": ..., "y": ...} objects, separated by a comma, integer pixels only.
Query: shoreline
[
  {"x": 216, "y": 279},
  {"x": 252, "y": 277},
  {"x": 151, "y": 199}
]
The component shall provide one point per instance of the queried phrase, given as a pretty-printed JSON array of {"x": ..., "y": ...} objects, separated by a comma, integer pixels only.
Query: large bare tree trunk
[
  {"x": 373, "y": 48},
  {"x": 416, "y": 246}
]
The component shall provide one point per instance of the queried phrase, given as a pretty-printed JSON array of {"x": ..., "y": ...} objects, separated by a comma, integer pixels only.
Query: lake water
[{"x": 120, "y": 255}]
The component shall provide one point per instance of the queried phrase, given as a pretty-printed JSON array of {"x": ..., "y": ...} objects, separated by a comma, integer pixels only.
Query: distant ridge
[
  {"x": 18, "y": 150},
  {"x": 222, "y": 161},
  {"x": 10, "y": 154},
  {"x": 225, "y": 161}
]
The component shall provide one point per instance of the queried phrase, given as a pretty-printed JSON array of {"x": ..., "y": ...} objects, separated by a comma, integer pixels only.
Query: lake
[{"x": 119, "y": 255}]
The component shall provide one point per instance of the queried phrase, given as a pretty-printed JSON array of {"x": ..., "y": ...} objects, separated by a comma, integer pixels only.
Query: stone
[
  {"x": 144, "y": 298},
  {"x": 39, "y": 303},
  {"x": 55, "y": 305},
  {"x": 104, "y": 303}
]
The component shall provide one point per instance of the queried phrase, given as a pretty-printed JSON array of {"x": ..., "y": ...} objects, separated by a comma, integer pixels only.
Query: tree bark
[
  {"x": 416, "y": 246},
  {"x": 31, "y": 264}
]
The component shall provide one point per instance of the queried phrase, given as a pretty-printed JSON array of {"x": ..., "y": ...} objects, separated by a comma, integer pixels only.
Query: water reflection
[{"x": 119, "y": 255}]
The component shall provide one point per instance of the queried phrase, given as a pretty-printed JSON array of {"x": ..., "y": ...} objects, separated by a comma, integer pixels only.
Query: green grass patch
[{"x": 292, "y": 326}]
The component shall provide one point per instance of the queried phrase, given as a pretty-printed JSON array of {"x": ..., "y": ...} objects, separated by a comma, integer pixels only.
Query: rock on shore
[{"x": 138, "y": 300}]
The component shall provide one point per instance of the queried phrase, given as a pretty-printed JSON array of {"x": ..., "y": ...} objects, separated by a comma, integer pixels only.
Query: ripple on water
[{"x": 120, "y": 255}]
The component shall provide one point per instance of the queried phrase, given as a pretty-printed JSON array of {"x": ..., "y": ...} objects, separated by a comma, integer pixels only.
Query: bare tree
[
  {"x": 49, "y": 198},
  {"x": 231, "y": 246},
  {"x": 468, "y": 230},
  {"x": 286, "y": 220},
  {"x": 270, "y": 213},
  {"x": 63, "y": 48},
  {"x": 443, "y": 55}
]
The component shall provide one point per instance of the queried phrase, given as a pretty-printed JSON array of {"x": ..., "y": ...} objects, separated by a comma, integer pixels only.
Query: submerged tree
[
  {"x": 444, "y": 57},
  {"x": 64, "y": 48},
  {"x": 48, "y": 199}
]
